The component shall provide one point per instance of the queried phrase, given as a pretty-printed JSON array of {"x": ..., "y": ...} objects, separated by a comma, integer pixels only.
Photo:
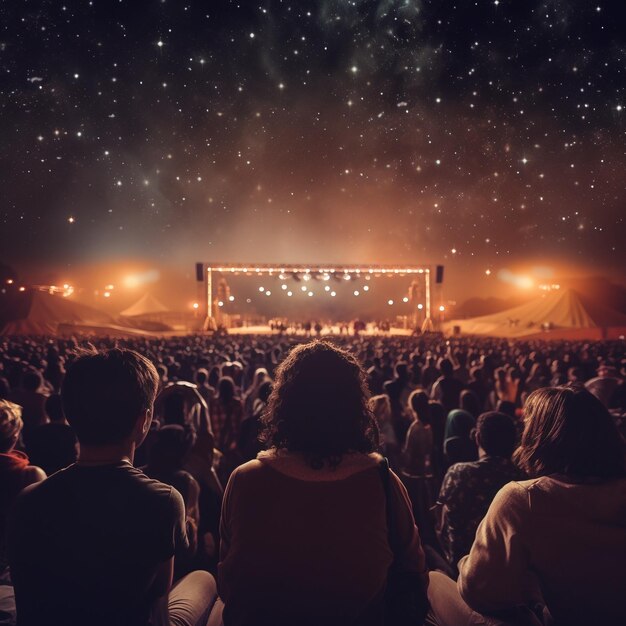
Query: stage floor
[{"x": 327, "y": 330}]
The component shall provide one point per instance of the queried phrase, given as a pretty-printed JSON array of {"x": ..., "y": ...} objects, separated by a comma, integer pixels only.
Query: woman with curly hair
[
  {"x": 304, "y": 526},
  {"x": 557, "y": 539}
]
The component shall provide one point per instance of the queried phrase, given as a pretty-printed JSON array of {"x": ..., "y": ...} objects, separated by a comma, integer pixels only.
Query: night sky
[{"x": 485, "y": 135}]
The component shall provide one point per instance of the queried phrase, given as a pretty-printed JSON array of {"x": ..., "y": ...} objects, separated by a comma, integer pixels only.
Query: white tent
[
  {"x": 562, "y": 314},
  {"x": 47, "y": 312},
  {"x": 146, "y": 305}
]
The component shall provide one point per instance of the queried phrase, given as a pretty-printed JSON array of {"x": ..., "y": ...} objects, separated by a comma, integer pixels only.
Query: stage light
[
  {"x": 405, "y": 299},
  {"x": 356, "y": 292},
  {"x": 333, "y": 293},
  {"x": 9, "y": 281},
  {"x": 261, "y": 289},
  {"x": 231, "y": 298},
  {"x": 442, "y": 308},
  {"x": 366, "y": 287},
  {"x": 420, "y": 306},
  {"x": 196, "y": 305},
  {"x": 326, "y": 288},
  {"x": 283, "y": 287},
  {"x": 268, "y": 293},
  {"x": 22, "y": 289},
  {"x": 310, "y": 294},
  {"x": 303, "y": 288},
  {"x": 389, "y": 302},
  {"x": 220, "y": 303},
  {"x": 290, "y": 293}
]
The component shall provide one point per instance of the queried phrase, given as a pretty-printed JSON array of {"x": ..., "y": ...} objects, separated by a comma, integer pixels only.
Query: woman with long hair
[
  {"x": 557, "y": 539},
  {"x": 304, "y": 526}
]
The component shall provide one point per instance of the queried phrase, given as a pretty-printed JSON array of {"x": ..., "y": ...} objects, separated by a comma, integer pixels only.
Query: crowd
[{"x": 259, "y": 460}]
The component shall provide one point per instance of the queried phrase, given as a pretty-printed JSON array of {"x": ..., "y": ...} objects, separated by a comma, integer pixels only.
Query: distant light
[
  {"x": 261, "y": 289},
  {"x": 107, "y": 294},
  {"x": 453, "y": 250},
  {"x": 251, "y": 35},
  {"x": 356, "y": 292},
  {"x": 220, "y": 303},
  {"x": 326, "y": 288},
  {"x": 231, "y": 298},
  {"x": 619, "y": 107},
  {"x": 333, "y": 293},
  {"x": 71, "y": 220},
  {"x": 283, "y": 287},
  {"x": 9, "y": 281},
  {"x": 248, "y": 300},
  {"x": 290, "y": 293},
  {"x": 389, "y": 302},
  {"x": 405, "y": 299},
  {"x": 307, "y": 277},
  {"x": 366, "y": 287},
  {"x": 22, "y": 289},
  {"x": 488, "y": 272},
  {"x": 346, "y": 276},
  {"x": 196, "y": 305},
  {"x": 268, "y": 293},
  {"x": 110, "y": 287},
  {"x": 310, "y": 294},
  {"x": 420, "y": 306},
  {"x": 303, "y": 288},
  {"x": 442, "y": 308},
  {"x": 160, "y": 43}
]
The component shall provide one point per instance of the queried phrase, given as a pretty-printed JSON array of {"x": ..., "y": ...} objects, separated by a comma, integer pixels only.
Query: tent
[
  {"x": 562, "y": 314},
  {"x": 46, "y": 312},
  {"x": 147, "y": 305}
]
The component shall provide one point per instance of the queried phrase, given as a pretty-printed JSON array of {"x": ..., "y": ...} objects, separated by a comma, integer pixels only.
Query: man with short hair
[
  {"x": 469, "y": 488},
  {"x": 95, "y": 543}
]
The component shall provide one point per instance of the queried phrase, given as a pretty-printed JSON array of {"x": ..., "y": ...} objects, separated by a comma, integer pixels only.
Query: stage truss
[{"x": 285, "y": 271}]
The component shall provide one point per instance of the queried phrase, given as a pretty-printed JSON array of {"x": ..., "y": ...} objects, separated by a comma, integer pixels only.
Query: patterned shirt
[{"x": 466, "y": 493}]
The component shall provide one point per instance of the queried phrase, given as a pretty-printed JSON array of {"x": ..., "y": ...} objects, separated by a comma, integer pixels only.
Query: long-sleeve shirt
[{"x": 566, "y": 540}]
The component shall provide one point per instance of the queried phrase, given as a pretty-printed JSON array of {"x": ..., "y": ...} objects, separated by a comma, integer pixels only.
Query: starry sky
[{"x": 486, "y": 135}]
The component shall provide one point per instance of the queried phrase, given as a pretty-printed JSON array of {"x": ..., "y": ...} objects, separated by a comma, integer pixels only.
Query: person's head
[
  {"x": 506, "y": 406},
  {"x": 567, "y": 430},
  {"x": 401, "y": 370},
  {"x": 108, "y": 397},
  {"x": 32, "y": 379},
  {"x": 319, "y": 405},
  {"x": 380, "y": 407},
  {"x": 10, "y": 425},
  {"x": 54, "y": 408},
  {"x": 469, "y": 402},
  {"x": 174, "y": 408},
  {"x": 260, "y": 375},
  {"x": 202, "y": 376},
  {"x": 445, "y": 367},
  {"x": 419, "y": 405},
  {"x": 496, "y": 434},
  {"x": 460, "y": 424},
  {"x": 226, "y": 389},
  {"x": 265, "y": 389},
  {"x": 172, "y": 444}
]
